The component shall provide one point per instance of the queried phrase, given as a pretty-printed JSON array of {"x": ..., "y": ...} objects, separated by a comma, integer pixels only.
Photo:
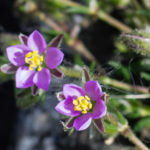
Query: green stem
[
  {"x": 134, "y": 96},
  {"x": 121, "y": 85},
  {"x": 128, "y": 133},
  {"x": 112, "y": 21}
]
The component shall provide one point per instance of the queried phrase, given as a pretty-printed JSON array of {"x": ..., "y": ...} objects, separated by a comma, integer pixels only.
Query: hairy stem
[{"x": 121, "y": 85}]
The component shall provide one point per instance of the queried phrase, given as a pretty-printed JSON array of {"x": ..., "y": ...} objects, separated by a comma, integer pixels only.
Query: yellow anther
[
  {"x": 39, "y": 68},
  {"x": 29, "y": 54},
  {"x": 85, "y": 102},
  {"x": 82, "y": 104},
  {"x": 87, "y": 98},
  {"x": 41, "y": 58},
  {"x": 31, "y": 67},
  {"x": 84, "y": 112},
  {"x": 34, "y": 60},
  {"x": 89, "y": 106},
  {"x": 77, "y": 108},
  {"x": 75, "y": 102}
]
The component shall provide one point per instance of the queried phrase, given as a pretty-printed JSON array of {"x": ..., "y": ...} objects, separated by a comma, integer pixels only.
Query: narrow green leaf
[
  {"x": 143, "y": 123},
  {"x": 92, "y": 66},
  {"x": 145, "y": 76},
  {"x": 110, "y": 128},
  {"x": 81, "y": 10},
  {"x": 121, "y": 118},
  {"x": 78, "y": 60}
]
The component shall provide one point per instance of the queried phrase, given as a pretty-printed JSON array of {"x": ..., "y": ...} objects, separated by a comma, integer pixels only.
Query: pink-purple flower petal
[
  {"x": 82, "y": 122},
  {"x": 66, "y": 107},
  {"x": 36, "y": 42},
  {"x": 24, "y": 77},
  {"x": 93, "y": 89},
  {"x": 42, "y": 79},
  {"x": 99, "y": 109},
  {"x": 54, "y": 57},
  {"x": 16, "y": 54},
  {"x": 73, "y": 90}
]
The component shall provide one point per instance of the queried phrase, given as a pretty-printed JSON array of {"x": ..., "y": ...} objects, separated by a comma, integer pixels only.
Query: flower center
[
  {"x": 82, "y": 104},
  {"x": 34, "y": 60}
]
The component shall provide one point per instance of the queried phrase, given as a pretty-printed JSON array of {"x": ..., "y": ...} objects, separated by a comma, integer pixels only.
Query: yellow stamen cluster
[
  {"x": 34, "y": 60},
  {"x": 82, "y": 104}
]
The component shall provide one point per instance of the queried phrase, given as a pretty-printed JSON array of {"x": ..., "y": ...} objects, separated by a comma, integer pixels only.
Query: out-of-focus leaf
[
  {"x": 110, "y": 128},
  {"x": 144, "y": 64},
  {"x": 3, "y": 60},
  {"x": 25, "y": 99},
  {"x": 121, "y": 118},
  {"x": 121, "y": 69},
  {"x": 42, "y": 96},
  {"x": 143, "y": 12},
  {"x": 92, "y": 66},
  {"x": 145, "y": 122},
  {"x": 81, "y": 10},
  {"x": 145, "y": 76},
  {"x": 78, "y": 60}
]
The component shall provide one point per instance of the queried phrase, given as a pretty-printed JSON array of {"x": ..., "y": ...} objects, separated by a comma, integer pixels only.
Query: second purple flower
[{"x": 83, "y": 105}]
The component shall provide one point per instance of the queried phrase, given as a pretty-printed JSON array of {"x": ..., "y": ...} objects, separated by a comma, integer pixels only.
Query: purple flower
[
  {"x": 34, "y": 60},
  {"x": 83, "y": 105}
]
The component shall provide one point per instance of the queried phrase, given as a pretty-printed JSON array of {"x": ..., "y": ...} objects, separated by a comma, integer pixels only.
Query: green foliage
[
  {"x": 92, "y": 66},
  {"x": 141, "y": 124},
  {"x": 81, "y": 10},
  {"x": 144, "y": 64},
  {"x": 110, "y": 128},
  {"x": 25, "y": 99},
  {"x": 121, "y": 118},
  {"x": 124, "y": 71},
  {"x": 78, "y": 60},
  {"x": 145, "y": 76}
]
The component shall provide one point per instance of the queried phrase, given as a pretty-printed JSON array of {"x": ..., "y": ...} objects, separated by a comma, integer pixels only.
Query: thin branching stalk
[
  {"x": 48, "y": 21},
  {"x": 74, "y": 43},
  {"x": 113, "y": 22},
  {"x": 100, "y": 14}
]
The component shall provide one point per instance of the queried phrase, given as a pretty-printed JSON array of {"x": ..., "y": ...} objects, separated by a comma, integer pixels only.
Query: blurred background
[{"x": 92, "y": 30}]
